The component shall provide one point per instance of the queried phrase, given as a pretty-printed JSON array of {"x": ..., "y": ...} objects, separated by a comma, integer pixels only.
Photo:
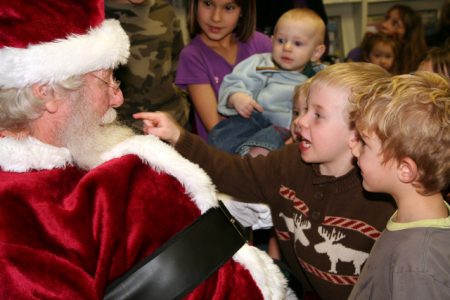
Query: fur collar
[{"x": 31, "y": 154}]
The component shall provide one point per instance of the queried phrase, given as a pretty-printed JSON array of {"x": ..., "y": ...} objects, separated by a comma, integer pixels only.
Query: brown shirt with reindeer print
[{"x": 326, "y": 225}]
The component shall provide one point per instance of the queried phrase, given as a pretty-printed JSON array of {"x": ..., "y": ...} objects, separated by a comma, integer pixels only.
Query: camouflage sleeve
[
  {"x": 147, "y": 79},
  {"x": 178, "y": 44}
]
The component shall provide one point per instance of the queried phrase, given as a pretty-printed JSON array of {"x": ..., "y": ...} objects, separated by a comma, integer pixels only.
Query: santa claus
[{"x": 82, "y": 199}]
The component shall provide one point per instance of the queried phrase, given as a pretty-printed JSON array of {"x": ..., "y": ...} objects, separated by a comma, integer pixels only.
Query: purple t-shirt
[
  {"x": 355, "y": 54},
  {"x": 199, "y": 64}
]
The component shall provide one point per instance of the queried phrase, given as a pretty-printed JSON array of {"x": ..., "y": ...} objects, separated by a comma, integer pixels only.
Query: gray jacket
[{"x": 270, "y": 86}]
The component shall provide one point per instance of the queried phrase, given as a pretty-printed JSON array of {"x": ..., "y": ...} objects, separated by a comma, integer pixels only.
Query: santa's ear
[
  {"x": 46, "y": 94},
  {"x": 40, "y": 90},
  {"x": 407, "y": 170}
]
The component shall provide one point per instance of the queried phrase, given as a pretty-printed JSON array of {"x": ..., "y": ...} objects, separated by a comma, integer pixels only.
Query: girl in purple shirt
[{"x": 224, "y": 34}]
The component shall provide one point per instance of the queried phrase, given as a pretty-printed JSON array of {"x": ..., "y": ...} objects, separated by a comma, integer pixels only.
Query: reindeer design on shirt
[
  {"x": 338, "y": 252},
  {"x": 296, "y": 225}
]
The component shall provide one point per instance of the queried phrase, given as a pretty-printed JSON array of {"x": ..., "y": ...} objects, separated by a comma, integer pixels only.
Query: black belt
[{"x": 184, "y": 261}]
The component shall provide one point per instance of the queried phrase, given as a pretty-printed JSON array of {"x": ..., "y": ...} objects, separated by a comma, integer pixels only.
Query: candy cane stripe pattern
[
  {"x": 283, "y": 235},
  {"x": 289, "y": 194},
  {"x": 351, "y": 224},
  {"x": 336, "y": 279}
]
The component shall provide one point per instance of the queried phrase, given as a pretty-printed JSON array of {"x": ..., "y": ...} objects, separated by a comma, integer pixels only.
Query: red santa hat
[{"x": 51, "y": 40}]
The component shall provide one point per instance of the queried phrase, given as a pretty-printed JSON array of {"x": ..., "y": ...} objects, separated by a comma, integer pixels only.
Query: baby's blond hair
[{"x": 306, "y": 15}]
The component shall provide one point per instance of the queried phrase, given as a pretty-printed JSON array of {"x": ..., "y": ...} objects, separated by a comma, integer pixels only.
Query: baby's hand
[
  {"x": 244, "y": 104},
  {"x": 160, "y": 124}
]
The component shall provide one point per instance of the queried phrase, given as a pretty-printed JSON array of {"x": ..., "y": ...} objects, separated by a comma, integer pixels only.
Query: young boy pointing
[{"x": 325, "y": 223}]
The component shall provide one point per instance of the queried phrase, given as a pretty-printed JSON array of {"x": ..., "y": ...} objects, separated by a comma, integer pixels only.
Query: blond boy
[
  {"x": 404, "y": 123},
  {"x": 325, "y": 223}
]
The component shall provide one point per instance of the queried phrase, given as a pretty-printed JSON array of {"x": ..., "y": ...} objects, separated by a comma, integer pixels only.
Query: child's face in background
[
  {"x": 217, "y": 18},
  {"x": 298, "y": 111},
  {"x": 324, "y": 132},
  {"x": 393, "y": 24},
  {"x": 383, "y": 55},
  {"x": 294, "y": 44}
]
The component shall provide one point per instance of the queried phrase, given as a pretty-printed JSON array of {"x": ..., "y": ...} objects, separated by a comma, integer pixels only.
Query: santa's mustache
[{"x": 109, "y": 117}]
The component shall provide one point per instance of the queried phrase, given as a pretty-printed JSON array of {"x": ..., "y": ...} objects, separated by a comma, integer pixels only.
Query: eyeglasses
[{"x": 114, "y": 84}]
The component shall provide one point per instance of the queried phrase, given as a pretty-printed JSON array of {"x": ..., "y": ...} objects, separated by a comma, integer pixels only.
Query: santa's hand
[{"x": 160, "y": 124}]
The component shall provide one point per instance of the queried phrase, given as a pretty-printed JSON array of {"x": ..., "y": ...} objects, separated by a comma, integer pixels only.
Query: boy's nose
[
  {"x": 302, "y": 121},
  {"x": 296, "y": 121}
]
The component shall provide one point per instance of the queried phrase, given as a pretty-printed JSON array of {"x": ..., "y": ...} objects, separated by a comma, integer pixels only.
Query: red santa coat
[{"x": 66, "y": 233}]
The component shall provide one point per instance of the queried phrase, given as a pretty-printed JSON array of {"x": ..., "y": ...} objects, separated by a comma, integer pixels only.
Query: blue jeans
[{"x": 238, "y": 134}]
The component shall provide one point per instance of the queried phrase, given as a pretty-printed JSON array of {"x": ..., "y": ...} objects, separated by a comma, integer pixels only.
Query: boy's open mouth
[{"x": 304, "y": 144}]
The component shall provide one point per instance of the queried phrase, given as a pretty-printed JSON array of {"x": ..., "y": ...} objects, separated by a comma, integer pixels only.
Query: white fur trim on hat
[{"x": 103, "y": 47}]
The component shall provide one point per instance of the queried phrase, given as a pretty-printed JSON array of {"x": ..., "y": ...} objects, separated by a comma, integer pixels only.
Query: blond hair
[
  {"x": 348, "y": 76},
  {"x": 410, "y": 115},
  {"x": 306, "y": 15}
]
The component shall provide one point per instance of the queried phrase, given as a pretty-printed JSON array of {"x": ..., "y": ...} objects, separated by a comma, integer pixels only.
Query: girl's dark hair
[
  {"x": 244, "y": 28},
  {"x": 440, "y": 59},
  {"x": 444, "y": 21},
  {"x": 413, "y": 45}
]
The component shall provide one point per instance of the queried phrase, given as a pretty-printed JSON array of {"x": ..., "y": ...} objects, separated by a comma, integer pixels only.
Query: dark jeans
[{"x": 238, "y": 134}]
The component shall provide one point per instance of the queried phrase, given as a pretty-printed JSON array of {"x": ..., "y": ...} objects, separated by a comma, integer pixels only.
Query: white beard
[
  {"x": 88, "y": 136},
  {"x": 87, "y": 149}
]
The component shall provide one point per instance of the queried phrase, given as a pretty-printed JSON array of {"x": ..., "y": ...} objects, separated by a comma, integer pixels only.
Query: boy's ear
[
  {"x": 318, "y": 52},
  {"x": 354, "y": 139},
  {"x": 407, "y": 170},
  {"x": 44, "y": 93}
]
